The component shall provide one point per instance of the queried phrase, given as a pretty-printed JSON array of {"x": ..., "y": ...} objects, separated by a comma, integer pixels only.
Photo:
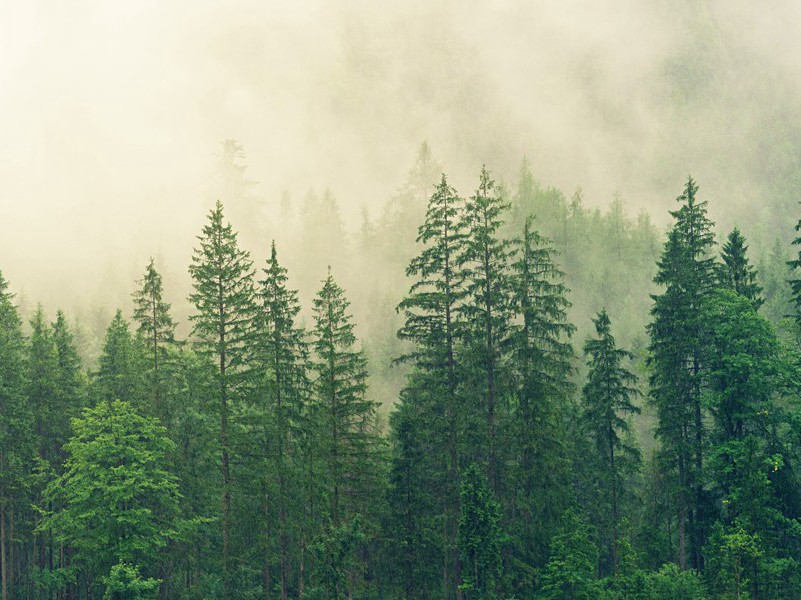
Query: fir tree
[
  {"x": 16, "y": 439},
  {"x": 542, "y": 356},
  {"x": 156, "y": 328},
  {"x": 686, "y": 271},
  {"x": 348, "y": 416},
  {"x": 484, "y": 263},
  {"x": 607, "y": 399},
  {"x": 283, "y": 356},
  {"x": 223, "y": 331},
  {"x": 735, "y": 272},
  {"x": 120, "y": 376},
  {"x": 432, "y": 324},
  {"x": 479, "y": 536}
]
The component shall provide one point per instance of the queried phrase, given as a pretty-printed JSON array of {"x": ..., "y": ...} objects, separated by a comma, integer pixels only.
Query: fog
[{"x": 112, "y": 114}]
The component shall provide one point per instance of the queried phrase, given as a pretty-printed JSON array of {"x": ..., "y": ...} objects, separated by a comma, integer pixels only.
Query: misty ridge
[{"x": 474, "y": 301}]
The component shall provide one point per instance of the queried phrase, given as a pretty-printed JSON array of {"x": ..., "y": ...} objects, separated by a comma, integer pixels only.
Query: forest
[{"x": 544, "y": 400}]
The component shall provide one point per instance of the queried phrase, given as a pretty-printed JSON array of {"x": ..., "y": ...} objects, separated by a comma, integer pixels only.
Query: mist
[{"x": 112, "y": 115}]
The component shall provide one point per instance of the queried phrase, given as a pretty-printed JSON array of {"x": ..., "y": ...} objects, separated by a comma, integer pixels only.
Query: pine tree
[
  {"x": 283, "y": 356},
  {"x": 735, "y": 273},
  {"x": 432, "y": 324},
  {"x": 349, "y": 441},
  {"x": 120, "y": 376},
  {"x": 157, "y": 330},
  {"x": 607, "y": 399},
  {"x": 223, "y": 331},
  {"x": 341, "y": 389},
  {"x": 686, "y": 271},
  {"x": 484, "y": 263},
  {"x": 479, "y": 536},
  {"x": 16, "y": 431},
  {"x": 542, "y": 356}
]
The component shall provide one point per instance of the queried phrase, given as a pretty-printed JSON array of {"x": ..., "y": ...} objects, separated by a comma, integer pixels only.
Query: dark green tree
[
  {"x": 479, "y": 536},
  {"x": 484, "y": 263},
  {"x": 735, "y": 272},
  {"x": 432, "y": 324},
  {"x": 16, "y": 430},
  {"x": 223, "y": 332},
  {"x": 282, "y": 354},
  {"x": 686, "y": 272},
  {"x": 570, "y": 571},
  {"x": 121, "y": 372},
  {"x": 607, "y": 405},
  {"x": 542, "y": 366},
  {"x": 349, "y": 443}
]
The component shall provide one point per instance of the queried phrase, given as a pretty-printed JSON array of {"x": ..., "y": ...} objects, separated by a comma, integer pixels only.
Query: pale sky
[{"x": 111, "y": 112}]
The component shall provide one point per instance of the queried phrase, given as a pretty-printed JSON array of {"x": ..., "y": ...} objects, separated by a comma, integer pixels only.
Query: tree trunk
[{"x": 3, "y": 558}]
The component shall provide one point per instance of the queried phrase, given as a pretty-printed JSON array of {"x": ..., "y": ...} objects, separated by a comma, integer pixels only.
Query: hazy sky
[{"x": 111, "y": 112}]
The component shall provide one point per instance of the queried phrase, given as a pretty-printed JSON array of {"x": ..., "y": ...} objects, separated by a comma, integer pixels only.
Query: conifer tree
[
  {"x": 223, "y": 333},
  {"x": 735, "y": 273},
  {"x": 686, "y": 271},
  {"x": 120, "y": 376},
  {"x": 341, "y": 390},
  {"x": 283, "y": 356},
  {"x": 349, "y": 443},
  {"x": 156, "y": 328},
  {"x": 432, "y": 324},
  {"x": 608, "y": 402},
  {"x": 16, "y": 439},
  {"x": 542, "y": 356},
  {"x": 484, "y": 263},
  {"x": 479, "y": 536}
]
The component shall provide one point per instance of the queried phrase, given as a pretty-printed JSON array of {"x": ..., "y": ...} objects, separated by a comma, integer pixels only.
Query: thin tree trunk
[{"x": 3, "y": 558}]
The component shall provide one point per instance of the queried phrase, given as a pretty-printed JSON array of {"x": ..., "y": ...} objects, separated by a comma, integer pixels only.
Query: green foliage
[
  {"x": 735, "y": 272},
  {"x": 121, "y": 374},
  {"x": 607, "y": 403},
  {"x": 479, "y": 536},
  {"x": 118, "y": 503},
  {"x": 570, "y": 570},
  {"x": 125, "y": 583},
  {"x": 336, "y": 559}
]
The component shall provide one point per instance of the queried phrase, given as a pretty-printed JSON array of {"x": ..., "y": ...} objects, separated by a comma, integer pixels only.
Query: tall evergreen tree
[
  {"x": 283, "y": 357},
  {"x": 686, "y": 271},
  {"x": 16, "y": 439},
  {"x": 121, "y": 376},
  {"x": 479, "y": 536},
  {"x": 432, "y": 324},
  {"x": 156, "y": 328},
  {"x": 223, "y": 332},
  {"x": 484, "y": 262},
  {"x": 349, "y": 443},
  {"x": 608, "y": 402},
  {"x": 543, "y": 358},
  {"x": 735, "y": 272}
]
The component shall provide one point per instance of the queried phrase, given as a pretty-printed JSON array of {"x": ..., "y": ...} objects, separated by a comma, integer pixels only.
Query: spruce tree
[
  {"x": 348, "y": 416},
  {"x": 480, "y": 536},
  {"x": 121, "y": 371},
  {"x": 157, "y": 330},
  {"x": 735, "y": 273},
  {"x": 282, "y": 355},
  {"x": 542, "y": 357},
  {"x": 223, "y": 331},
  {"x": 686, "y": 271},
  {"x": 349, "y": 444},
  {"x": 433, "y": 325},
  {"x": 484, "y": 263},
  {"x": 607, "y": 403},
  {"x": 16, "y": 435}
]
